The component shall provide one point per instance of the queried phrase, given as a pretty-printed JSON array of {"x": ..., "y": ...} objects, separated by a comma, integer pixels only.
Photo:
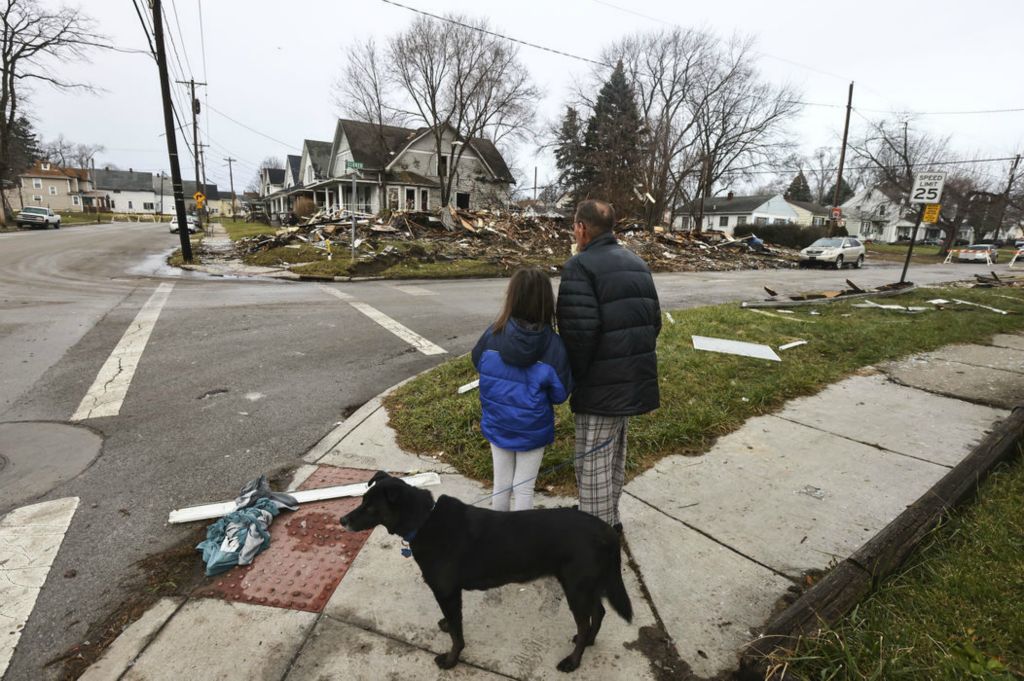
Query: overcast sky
[{"x": 270, "y": 65}]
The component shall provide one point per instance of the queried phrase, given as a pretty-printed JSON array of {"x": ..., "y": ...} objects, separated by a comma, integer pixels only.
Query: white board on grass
[{"x": 731, "y": 347}]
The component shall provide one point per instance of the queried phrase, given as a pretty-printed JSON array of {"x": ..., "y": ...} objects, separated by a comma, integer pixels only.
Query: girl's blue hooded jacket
[{"x": 523, "y": 372}]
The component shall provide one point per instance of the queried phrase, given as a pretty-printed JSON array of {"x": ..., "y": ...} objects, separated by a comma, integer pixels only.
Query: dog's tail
[{"x": 615, "y": 590}]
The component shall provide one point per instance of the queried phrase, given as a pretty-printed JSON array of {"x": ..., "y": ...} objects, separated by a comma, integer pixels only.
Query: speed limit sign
[{"x": 927, "y": 187}]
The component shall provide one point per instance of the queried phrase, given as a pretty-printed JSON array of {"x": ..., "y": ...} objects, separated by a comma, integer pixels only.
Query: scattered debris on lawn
[
  {"x": 898, "y": 308},
  {"x": 668, "y": 315},
  {"x": 731, "y": 347},
  {"x": 766, "y": 313},
  {"x": 992, "y": 279},
  {"x": 985, "y": 307},
  {"x": 794, "y": 344},
  {"x": 853, "y": 292},
  {"x": 503, "y": 238},
  {"x": 469, "y": 386}
]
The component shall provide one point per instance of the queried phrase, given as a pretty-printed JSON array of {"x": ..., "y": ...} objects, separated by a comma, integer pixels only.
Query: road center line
[
  {"x": 30, "y": 537},
  {"x": 108, "y": 391},
  {"x": 414, "y": 290},
  {"x": 406, "y": 334}
]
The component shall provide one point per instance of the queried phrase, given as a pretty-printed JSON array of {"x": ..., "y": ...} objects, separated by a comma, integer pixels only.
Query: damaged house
[{"x": 393, "y": 168}]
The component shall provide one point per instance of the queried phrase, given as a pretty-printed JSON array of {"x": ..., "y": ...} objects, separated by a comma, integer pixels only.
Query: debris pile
[{"x": 504, "y": 238}]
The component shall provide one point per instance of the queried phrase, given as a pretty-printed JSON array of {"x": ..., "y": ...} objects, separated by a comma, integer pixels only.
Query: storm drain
[{"x": 309, "y": 552}]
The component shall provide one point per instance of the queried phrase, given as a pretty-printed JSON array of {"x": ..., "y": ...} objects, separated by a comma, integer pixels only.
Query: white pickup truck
[{"x": 36, "y": 216}]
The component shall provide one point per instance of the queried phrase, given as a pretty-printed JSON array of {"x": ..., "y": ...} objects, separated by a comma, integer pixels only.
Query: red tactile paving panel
[{"x": 308, "y": 555}]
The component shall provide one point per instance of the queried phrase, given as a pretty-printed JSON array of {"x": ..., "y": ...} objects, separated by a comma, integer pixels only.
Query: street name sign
[
  {"x": 353, "y": 165},
  {"x": 927, "y": 187}
]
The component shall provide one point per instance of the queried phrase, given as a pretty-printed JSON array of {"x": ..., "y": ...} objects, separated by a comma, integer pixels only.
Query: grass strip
[
  {"x": 707, "y": 395},
  {"x": 239, "y": 229},
  {"x": 953, "y": 612}
]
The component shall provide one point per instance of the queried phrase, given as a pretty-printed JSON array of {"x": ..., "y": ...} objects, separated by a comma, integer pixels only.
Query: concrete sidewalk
[{"x": 718, "y": 543}]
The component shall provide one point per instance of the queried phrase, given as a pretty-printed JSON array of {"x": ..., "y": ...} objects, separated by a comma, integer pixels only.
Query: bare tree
[
  {"x": 453, "y": 76},
  {"x": 68, "y": 154},
  {"x": 740, "y": 123},
  {"x": 257, "y": 180},
  {"x": 33, "y": 42}
]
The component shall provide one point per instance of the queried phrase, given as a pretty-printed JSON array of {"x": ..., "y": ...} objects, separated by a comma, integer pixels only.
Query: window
[
  {"x": 74, "y": 199},
  {"x": 410, "y": 198},
  {"x": 462, "y": 200},
  {"x": 45, "y": 166},
  {"x": 779, "y": 221},
  {"x": 881, "y": 209},
  {"x": 37, "y": 183},
  {"x": 147, "y": 206},
  {"x": 37, "y": 198},
  {"x": 442, "y": 166},
  {"x": 392, "y": 198},
  {"x": 865, "y": 227},
  {"x": 818, "y": 221},
  {"x": 761, "y": 221},
  {"x": 53, "y": 190},
  {"x": 741, "y": 220},
  {"x": 723, "y": 221},
  {"x": 130, "y": 205},
  {"x": 424, "y": 199}
]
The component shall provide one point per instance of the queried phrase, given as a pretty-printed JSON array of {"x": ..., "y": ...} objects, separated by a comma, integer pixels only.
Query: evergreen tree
[
  {"x": 614, "y": 146},
  {"x": 569, "y": 155},
  {"x": 23, "y": 151},
  {"x": 799, "y": 190},
  {"x": 845, "y": 192}
]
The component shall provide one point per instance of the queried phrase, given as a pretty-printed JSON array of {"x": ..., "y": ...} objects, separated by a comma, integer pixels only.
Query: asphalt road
[{"x": 238, "y": 377}]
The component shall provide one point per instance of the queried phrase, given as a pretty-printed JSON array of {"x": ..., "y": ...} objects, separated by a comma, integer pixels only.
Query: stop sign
[{"x": 837, "y": 213}]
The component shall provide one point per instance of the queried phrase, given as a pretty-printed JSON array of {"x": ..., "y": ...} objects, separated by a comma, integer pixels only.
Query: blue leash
[{"x": 547, "y": 470}]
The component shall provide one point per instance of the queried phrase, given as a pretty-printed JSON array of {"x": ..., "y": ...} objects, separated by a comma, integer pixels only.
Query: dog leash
[{"x": 547, "y": 470}]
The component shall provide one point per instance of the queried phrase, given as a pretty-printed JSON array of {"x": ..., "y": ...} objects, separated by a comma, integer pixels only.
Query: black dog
[{"x": 462, "y": 547}]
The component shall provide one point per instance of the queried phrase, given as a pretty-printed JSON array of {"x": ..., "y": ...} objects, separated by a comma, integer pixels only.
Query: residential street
[{"x": 238, "y": 377}]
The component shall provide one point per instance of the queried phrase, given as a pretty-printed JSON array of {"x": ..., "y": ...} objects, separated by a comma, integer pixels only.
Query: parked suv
[
  {"x": 37, "y": 216},
  {"x": 834, "y": 252}
]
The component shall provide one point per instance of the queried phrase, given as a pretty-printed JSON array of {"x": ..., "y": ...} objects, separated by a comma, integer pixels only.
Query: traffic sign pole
[{"x": 353, "y": 166}]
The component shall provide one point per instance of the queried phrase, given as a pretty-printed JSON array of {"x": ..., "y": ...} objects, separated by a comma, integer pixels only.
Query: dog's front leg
[{"x": 451, "y": 606}]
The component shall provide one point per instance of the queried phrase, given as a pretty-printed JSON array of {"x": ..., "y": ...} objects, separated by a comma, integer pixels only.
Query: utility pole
[
  {"x": 202, "y": 171},
  {"x": 172, "y": 140},
  {"x": 1006, "y": 194},
  {"x": 834, "y": 223},
  {"x": 535, "y": 183},
  {"x": 195, "y": 133},
  {"x": 231, "y": 178}
]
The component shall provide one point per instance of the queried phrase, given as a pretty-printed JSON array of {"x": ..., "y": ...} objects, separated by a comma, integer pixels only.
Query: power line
[
  {"x": 145, "y": 29},
  {"x": 944, "y": 113},
  {"x": 497, "y": 35},
  {"x": 251, "y": 129},
  {"x": 181, "y": 35}
]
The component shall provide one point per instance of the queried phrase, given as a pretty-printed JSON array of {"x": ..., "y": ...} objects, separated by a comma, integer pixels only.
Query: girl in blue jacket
[{"x": 524, "y": 371}]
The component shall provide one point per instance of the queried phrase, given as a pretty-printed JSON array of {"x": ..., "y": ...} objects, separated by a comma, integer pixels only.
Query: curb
[{"x": 854, "y": 578}]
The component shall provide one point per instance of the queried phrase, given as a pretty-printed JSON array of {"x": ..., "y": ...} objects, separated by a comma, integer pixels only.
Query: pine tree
[
  {"x": 845, "y": 192},
  {"x": 799, "y": 190},
  {"x": 614, "y": 146},
  {"x": 570, "y": 159}
]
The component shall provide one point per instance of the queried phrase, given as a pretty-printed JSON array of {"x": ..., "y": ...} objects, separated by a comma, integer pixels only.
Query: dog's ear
[{"x": 377, "y": 477}]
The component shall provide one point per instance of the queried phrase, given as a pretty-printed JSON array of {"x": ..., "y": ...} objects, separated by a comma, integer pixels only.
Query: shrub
[
  {"x": 304, "y": 207},
  {"x": 790, "y": 236}
]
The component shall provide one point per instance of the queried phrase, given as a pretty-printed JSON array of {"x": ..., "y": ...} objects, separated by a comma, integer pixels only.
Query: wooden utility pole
[
  {"x": 1006, "y": 194},
  {"x": 195, "y": 135},
  {"x": 231, "y": 179},
  {"x": 172, "y": 140},
  {"x": 834, "y": 222}
]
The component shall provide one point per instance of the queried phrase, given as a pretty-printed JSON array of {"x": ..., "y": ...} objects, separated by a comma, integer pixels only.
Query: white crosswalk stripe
[{"x": 107, "y": 393}]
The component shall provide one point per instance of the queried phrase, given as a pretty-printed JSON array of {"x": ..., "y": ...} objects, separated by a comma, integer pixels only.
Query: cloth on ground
[
  {"x": 238, "y": 537},
  {"x": 260, "y": 489}
]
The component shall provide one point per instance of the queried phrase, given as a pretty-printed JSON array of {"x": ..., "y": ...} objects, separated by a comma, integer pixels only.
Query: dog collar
[{"x": 407, "y": 538}]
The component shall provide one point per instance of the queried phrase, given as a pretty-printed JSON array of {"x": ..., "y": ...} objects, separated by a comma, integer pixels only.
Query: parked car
[
  {"x": 1019, "y": 244},
  {"x": 834, "y": 252},
  {"x": 929, "y": 242},
  {"x": 978, "y": 253},
  {"x": 37, "y": 216},
  {"x": 191, "y": 221}
]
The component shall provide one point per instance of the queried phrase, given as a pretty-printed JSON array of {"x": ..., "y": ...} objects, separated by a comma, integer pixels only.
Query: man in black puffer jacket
[{"x": 609, "y": 318}]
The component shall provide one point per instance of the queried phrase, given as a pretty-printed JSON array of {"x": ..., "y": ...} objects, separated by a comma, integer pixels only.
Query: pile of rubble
[{"x": 504, "y": 238}]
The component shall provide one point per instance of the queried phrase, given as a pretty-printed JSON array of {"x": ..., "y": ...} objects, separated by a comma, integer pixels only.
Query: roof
[
  {"x": 367, "y": 146},
  {"x": 319, "y": 156},
  {"x": 815, "y": 208},
  {"x": 737, "y": 204},
  {"x": 292, "y": 163},
  {"x": 407, "y": 177},
  {"x": 123, "y": 180},
  {"x": 275, "y": 175},
  {"x": 55, "y": 170}
]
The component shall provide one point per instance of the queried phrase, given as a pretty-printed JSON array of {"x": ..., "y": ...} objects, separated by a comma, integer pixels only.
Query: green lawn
[
  {"x": 239, "y": 229},
  {"x": 953, "y": 612},
  {"x": 706, "y": 395},
  {"x": 898, "y": 253},
  {"x": 84, "y": 218}
]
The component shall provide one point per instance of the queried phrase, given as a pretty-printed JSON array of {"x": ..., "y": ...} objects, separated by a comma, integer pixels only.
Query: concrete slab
[
  {"x": 791, "y": 497},
  {"x": 341, "y": 651},
  {"x": 520, "y": 630},
  {"x": 1006, "y": 340},
  {"x": 126, "y": 647},
  {"x": 873, "y": 410},
  {"x": 30, "y": 538},
  {"x": 338, "y": 433},
  {"x": 994, "y": 387},
  {"x": 371, "y": 445},
  {"x": 1007, "y": 359},
  {"x": 36, "y": 457},
  {"x": 708, "y": 596},
  {"x": 211, "y": 640}
]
